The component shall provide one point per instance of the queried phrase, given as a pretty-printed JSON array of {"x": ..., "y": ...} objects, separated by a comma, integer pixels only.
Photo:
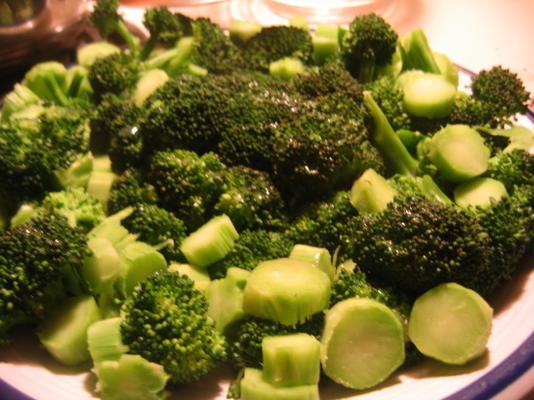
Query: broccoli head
[
  {"x": 187, "y": 184},
  {"x": 129, "y": 189},
  {"x": 116, "y": 73},
  {"x": 40, "y": 264},
  {"x": 165, "y": 322},
  {"x": 512, "y": 168}
]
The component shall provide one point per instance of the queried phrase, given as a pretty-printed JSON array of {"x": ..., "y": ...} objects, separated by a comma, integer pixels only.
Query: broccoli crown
[
  {"x": 502, "y": 89},
  {"x": 245, "y": 347},
  {"x": 276, "y": 42},
  {"x": 165, "y": 27},
  {"x": 510, "y": 226},
  {"x": 251, "y": 248},
  {"x": 105, "y": 17},
  {"x": 324, "y": 149},
  {"x": 327, "y": 80},
  {"x": 187, "y": 184},
  {"x": 389, "y": 96},
  {"x": 415, "y": 244},
  {"x": 129, "y": 189},
  {"x": 512, "y": 168},
  {"x": 40, "y": 262},
  {"x": 370, "y": 41},
  {"x": 80, "y": 209},
  {"x": 116, "y": 73},
  {"x": 470, "y": 111},
  {"x": 165, "y": 321},
  {"x": 251, "y": 200},
  {"x": 111, "y": 117},
  {"x": 33, "y": 149},
  {"x": 213, "y": 49},
  {"x": 189, "y": 112},
  {"x": 157, "y": 226},
  {"x": 325, "y": 224}
]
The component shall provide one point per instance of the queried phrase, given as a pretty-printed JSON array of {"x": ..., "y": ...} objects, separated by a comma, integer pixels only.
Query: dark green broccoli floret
[
  {"x": 510, "y": 226},
  {"x": 276, "y": 42},
  {"x": 129, "y": 189},
  {"x": 34, "y": 149},
  {"x": 165, "y": 321},
  {"x": 40, "y": 263},
  {"x": 187, "y": 184},
  {"x": 245, "y": 346},
  {"x": 503, "y": 90},
  {"x": 157, "y": 226},
  {"x": 512, "y": 168},
  {"x": 252, "y": 247},
  {"x": 324, "y": 149},
  {"x": 324, "y": 224},
  {"x": 369, "y": 43},
  {"x": 111, "y": 117},
  {"x": 416, "y": 243},
  {"x": 190, "y": 113},
  {"x": 165, "y": 28},
  {"x": 251, "y": 200},
  {"x": 106, "y": 19},
  {"x": 116, "y": 73}
]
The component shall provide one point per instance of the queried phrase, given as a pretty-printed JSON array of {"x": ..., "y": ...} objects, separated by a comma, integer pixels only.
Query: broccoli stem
[
  {"x": 417, "y": 54},
  {"x": 57, "y": 93},
  {"x": 388, "y": 141},
  {"x": 123, "y": 31},
  {"x": 433, "y": 191}
]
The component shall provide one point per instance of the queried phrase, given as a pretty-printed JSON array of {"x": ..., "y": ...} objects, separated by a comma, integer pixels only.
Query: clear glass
[{"x": 331, "y": 11}]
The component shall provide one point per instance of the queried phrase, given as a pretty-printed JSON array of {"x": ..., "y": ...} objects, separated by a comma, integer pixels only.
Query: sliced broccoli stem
[
  {"x": 104, "y": 340},
  {"x": 388, "y": 141},
  {"x": 131, "y": 42},
  {"x": 433, "y": 191},
  {"x": 59, "y": 96},
  {"x": 417, "y": 54}
]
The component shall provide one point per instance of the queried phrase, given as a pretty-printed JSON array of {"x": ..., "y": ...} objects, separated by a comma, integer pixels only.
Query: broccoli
[
  {"x": 252, "y": 247},
  {"x": 369, "y": 43},
  {"x": 130, "y": 189},
  {"x": 48, "y": 80},
  {"x": 251, "y": 201},
  {"x": 323, "y": 150},
  {"x": 158, "y": 227},
  {"x": 106, "y": 19},
  {"x": 116, "y": 73},
  {"x": 165, "y": 321},
  {"x": 276, "y": 42},
  {"x": 165, "y": 28},
  {"x": 513, "y": 168},
  {"x": 186, "y": 184},
  {"x": 40, "y": 264},
  {"x": 245, "y": 346}
]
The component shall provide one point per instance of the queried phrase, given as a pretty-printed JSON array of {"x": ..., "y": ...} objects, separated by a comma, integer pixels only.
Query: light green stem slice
[
  {"x": 255, "y": 387},
  {"x": 371, "y": 193},
  {"x": 479, "y": 192},
  {"x": 105, "y": 341},
  {"x": 450, "y": 323},
  {"x": 199, "y": 276},
  {"x": 320, "y": 257},
  {"x": 141, "y": 260},
  {"x": 362, "y": 344},
  {"x": 429, "y": 96}
]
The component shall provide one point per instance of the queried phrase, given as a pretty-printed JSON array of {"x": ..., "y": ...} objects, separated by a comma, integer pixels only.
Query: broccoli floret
[
  {"x": 416, "y": 243},
  {"x": 114, "y": 131},
  {"x": 80, "y": 209},
  {"x": 323, "y": 150},
  {"x": 252, "y": 247},
  {"x": 213, "y": 49},
  {"x": 503, "y": 90},
  {"x": 187, "y": 184},
  {"x": 189, "y": 113},
  {"x": 116, "y": 73},
  {"x": 369, "y": 43},
  {"x": 245, "y": 346},
  {"x": 165, "y": 321},
  {"x": 158, "y": 227},
  {"x": 251, "y": 200},
  {"x": 324, "y": 224},
  {"x": 512, "y": 168},
  {"x": 106, "y": 19},
  {"x": 276, "y": 42},
  {"x": 165, "y": 28},
  {"x": 40, "y": 264},
  {"x": 129, "y": 189}
]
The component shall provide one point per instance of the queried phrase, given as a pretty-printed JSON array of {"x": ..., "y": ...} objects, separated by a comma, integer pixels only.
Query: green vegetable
[
  {"x": 104, "y": 340},
  {"x": 255, "y": 387},
  {"x": 479, "y": 192},
  {"x": 453, "y": 337},
  {"x": 429, "y": 96}
]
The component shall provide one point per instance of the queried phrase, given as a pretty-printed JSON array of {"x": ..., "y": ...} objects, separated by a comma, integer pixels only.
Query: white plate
[{"x": 506, "y": 371}]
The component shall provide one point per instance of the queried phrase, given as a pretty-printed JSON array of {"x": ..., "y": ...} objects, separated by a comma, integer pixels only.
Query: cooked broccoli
[
  {"x": 106, "y": 19},
  {"x": 48, "y": 80},
  {"x": 369, "y": 43},
  {"x": 165, "y": 321},
  {"x": 40, "y": 263},
  {"x": 158, "y": 227},
  {"x": 514, "y": 168},
  {"x": 130, "y": 189},
  {"x": 252, "y": 247},
  {"x": 245, "y": 346},
  {"x": 276, "y": 42},
  {"x": 251, "y": 200},
  {"x": 187, "y": 184},
  {"x": 116, "y": 73}
]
